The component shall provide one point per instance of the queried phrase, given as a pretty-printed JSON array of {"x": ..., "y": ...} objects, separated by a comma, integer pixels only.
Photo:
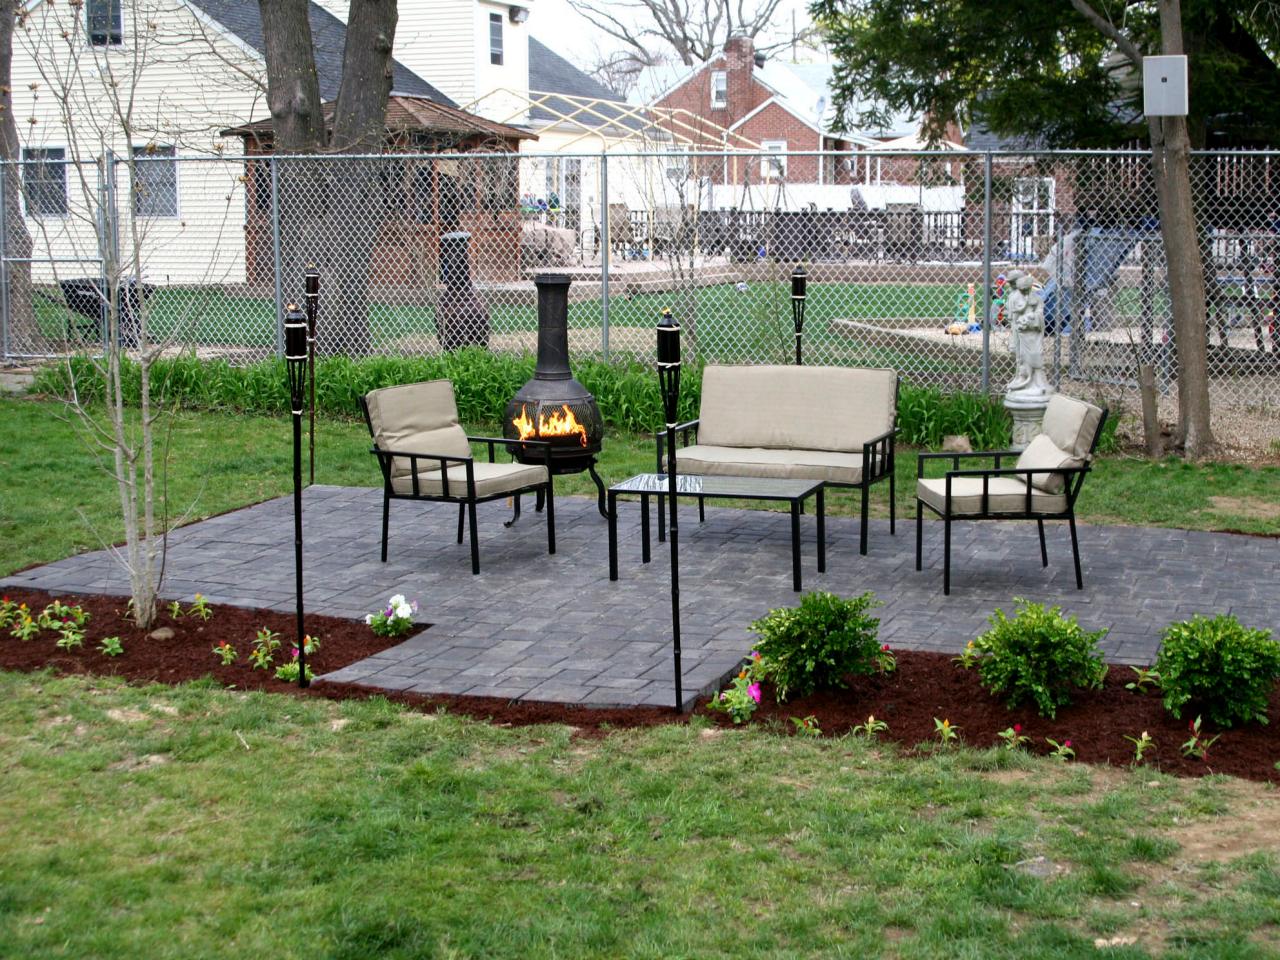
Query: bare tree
[
  {"x": 21, "y": 316},
  {"x": 618, "y": 70},
  {"x": 692, "y": 30}
]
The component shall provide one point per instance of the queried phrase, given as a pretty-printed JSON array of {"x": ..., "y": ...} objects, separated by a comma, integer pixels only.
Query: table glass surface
[{"x": 713, "y": 486}]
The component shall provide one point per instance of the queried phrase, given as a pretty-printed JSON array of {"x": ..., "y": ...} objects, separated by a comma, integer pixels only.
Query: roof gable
[
  {"x": 328, "y": 36},
  {"x": 551, "y": 73}
]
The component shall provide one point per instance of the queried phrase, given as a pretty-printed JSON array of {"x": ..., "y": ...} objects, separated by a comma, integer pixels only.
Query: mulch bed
[{"x": 925, "y": 686}]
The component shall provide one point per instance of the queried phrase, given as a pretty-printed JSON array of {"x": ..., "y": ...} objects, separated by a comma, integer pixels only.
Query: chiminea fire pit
[{"x": 553, "y": 406}]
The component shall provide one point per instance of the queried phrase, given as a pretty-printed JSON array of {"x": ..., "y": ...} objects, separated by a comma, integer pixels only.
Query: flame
[{"x": 555, "y": 425}]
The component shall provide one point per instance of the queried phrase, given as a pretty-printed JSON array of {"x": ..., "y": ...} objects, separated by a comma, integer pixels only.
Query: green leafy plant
[
  {"x": 807, "y": 726},
  {"x": 1038, "y": 656},
  {"x": 871, "y": 729},
  {"x": 1198, "y": 746},
  {"x": 25, "y": 626},
  {"x": 739, "y": 700},
  {"x": 200, "y": 608},
  {"x": 945, "y": 732},
  {"x": 56, "y": 613},
  {"x": 8, "y": 611},
  {"x": 1144, "y": 680},
  {"x": 1223, "y": 668},
  {"x": 1013, "y": 737},
  {"x": 226, "y": 653},
  {"x": 110, "y": 646},
  {"x": 70, "y": 635},
  {"x": 175, "y": 610},
  {"x": 1060, "y": 751},
  {"x": 1141, "y": 745},
  {"x": 969, "y": 657},
  {"x": 395, "y": 620},
  {"x": 820, "y": 642},
  {"x": 289, "y": 672},
  {"x": 265, "y": 645}
]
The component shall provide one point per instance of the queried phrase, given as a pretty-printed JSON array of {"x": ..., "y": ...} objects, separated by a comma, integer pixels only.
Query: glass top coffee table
[{"x": 647, "y": 485}]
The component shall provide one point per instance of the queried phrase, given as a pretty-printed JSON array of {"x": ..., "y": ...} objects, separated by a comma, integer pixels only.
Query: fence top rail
[{"x": 682, "y": 154}]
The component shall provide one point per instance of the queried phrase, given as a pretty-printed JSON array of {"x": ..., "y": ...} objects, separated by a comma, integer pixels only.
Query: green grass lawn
[
  {"x": 192, "y": 822},
  {"x": 56, "y": 497}
]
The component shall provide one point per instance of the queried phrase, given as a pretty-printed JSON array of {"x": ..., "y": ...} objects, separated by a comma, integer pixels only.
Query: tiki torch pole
[
  {"x": 295, "y": 358},
  {"x": 669, "y": 383},
  {"x": 312, "y": 278},
  {"x": 799, "y": 280}
]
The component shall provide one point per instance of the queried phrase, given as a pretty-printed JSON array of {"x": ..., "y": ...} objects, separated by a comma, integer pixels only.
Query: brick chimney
[{"x": 739, "y": 59}]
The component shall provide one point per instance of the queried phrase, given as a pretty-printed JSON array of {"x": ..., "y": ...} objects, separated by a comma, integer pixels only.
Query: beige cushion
[
  {"x": 1071, "y": 424},
  {"x": 492, "y": 479},
  {"x": 793, "y": 407},
  {"x": 417, "y": 418},
  {"x": 706, "y": 460},
  {"x": 1004, "y": 495},
  {"x": 1042, "y": 454}
]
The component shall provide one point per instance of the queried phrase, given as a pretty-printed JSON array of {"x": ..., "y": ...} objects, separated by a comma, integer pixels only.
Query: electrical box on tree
[{"x": 1164, "y": 86}]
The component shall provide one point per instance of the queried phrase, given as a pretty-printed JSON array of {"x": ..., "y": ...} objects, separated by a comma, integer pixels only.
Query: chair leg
[
  {"x": 702, "y": 509},
  {"x": 919, "y": 534},
  {"x": 1044, "y": 554},
  {"x": 946, "y": 556},
  {"x": 462, "y": 513},
  {"x": 386, "y": 507},
  {"x": 862, "y": 537},
  {"x": 1075, "y": 551},
  {"x": 551, "y": 518},
  {"x": 475, "y": 543},
  {"x": 893, "y": 508},
  {"x": 542, "y": 499}
]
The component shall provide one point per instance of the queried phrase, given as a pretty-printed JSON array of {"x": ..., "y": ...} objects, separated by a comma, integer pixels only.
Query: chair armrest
[
  {"x": 660, "y": 436},
  {"x": 955, "y": 458},
  {"x": 1026, "y": 472},
  {"x": 492, "y": 442},
  {"x": 877, "y": 456},
  {"x": 386, "y": 457}
]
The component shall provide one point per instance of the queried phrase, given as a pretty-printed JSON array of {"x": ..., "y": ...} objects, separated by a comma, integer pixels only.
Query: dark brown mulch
[{"x": 925, "y": 686}]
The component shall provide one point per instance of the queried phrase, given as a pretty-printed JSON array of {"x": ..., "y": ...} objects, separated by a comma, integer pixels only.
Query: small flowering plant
[
  {"x": 945, "y": 732},
  {"x": 886, "y": 662},
  {"x": 110, "y": 647},
  {"x": 8, "y": 611},
  {"x": 70, "y": 634},
  {"x": 289, "y": 671},
  {"x": 1060, "y": 751},
  {"x": 1198, "y": 746},
  {"x": 969, "y": 656},
  {"x": 396, "y": 620},
  {"x": 25, "y": 626},
  {"x": 742, "y": 697},
  {"x": 1144, "y": 681},
  {"x": 807, "y": 726},
  {"x": 871, "y": 729},
  {"x": 265, "y": 645},
  {"x": 1140, "y": 746},
  {"x": 58, "y": 613},
  {"x": 200, "y": 608},
  {"x": 1013, "y": 737},
  {"x": 226, "y": 653}
]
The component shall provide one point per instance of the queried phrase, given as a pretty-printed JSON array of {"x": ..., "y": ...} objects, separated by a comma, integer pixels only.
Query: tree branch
[{"x": 1109, "y": 30}]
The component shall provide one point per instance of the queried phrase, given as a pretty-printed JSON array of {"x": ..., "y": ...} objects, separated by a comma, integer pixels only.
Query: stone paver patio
[{"x": 539, "y": 627}]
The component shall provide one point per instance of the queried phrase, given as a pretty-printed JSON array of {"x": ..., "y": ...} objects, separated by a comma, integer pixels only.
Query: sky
[{"x": 567, "y": 32}]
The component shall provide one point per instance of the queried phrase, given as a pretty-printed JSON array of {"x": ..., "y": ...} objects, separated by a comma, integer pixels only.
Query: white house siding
[{"x": 186, "y": 80}]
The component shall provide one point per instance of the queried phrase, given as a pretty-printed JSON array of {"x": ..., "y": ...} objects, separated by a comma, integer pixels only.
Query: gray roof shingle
[
  {"x": 551, "y": 73},
  {"x": 328, "y": 37}
]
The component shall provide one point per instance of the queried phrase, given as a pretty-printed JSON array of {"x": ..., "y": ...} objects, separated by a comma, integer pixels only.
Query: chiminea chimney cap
[{"x": 760, "y": 58}]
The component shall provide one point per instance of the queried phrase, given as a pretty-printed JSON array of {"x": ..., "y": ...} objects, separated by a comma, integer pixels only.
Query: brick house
[{"x": 743, "y": 98}]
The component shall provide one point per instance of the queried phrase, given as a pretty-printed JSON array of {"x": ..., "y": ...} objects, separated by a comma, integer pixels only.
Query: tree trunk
[
  {"x": 1170, "y": 149},
  {"x": 293, "y": 88},
  {"x": 24, "y": 334}
]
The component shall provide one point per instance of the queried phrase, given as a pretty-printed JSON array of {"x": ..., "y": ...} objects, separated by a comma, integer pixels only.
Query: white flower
[
  {"x": 368, "y": 618},
  {"x": 397, "y": 600},
  {"x": 403, "y": 610}
]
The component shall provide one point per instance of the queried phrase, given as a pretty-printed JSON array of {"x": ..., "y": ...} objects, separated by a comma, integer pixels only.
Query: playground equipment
[{"x": 964, "y": 318}]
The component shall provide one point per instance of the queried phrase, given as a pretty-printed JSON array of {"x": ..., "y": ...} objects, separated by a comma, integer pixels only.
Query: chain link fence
[{"x": 910, "y": 258}]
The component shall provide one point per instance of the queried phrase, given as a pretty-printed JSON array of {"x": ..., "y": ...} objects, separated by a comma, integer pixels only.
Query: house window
[
  {"x": 155, "y": 182},
  {"x": 719, "y": 88},
  {"x": 44, "y": 181},
  {"x": 775, "y": 166},
  {"x": 495, "y": 39},
  {"x": 104, "y": 22}
]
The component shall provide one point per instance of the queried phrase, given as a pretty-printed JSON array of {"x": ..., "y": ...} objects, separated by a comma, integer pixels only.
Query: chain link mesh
[{"x": 423, "y": 253}]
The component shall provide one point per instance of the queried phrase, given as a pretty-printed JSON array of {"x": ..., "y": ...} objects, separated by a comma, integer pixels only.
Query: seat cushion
[
  {"x": 492, "y": 479},
  {"x": 416, "y": 418},
  {"x": 1071, "y": 424},
  {"x": 792, "y": 407},
  {"x": 1004, "y": 495},
  {"x": 1042, "y": 454},
  {"x": 708, "y": 460}
]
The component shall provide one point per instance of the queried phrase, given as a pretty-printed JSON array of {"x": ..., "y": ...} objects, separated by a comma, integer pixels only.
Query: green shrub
[
  {"x": 1038, "y": 656},
  {"x": 1222, "y": 668},
  {"x": 819, "y": 642},
  {"x": 926, "y": 415}
]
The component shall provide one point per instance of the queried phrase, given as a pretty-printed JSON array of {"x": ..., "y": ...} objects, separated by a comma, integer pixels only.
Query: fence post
[
  {"x": 277, "y": 266},
  {"x": 604, "y": 255},
  {"x": 986, "y": 273},
  {"x": 4, "y": 261}
]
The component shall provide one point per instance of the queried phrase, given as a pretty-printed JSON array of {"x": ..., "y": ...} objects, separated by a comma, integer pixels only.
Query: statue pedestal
[{"x": 1027, "y": 410}]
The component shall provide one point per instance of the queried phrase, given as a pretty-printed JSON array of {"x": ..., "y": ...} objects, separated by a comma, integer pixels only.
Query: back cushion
[
  {"x": 1071, "y": 424},
  {"x": 793, "y": 407},
  {"x": 417, "y": 418},
  {"x": 1042, "y": 454}
]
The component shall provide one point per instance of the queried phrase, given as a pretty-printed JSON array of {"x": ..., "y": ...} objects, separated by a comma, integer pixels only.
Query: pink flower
[
  {"x": 1017, "y": 728},
  {"x": 754, "y": 690},
  {"x": 295, "y": 653},
  {"x": 885, "y": 648},
  {"x": 1066, "y": 743}
]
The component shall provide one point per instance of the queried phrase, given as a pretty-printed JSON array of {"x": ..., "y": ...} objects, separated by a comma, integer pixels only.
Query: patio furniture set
[{"x": 782, "y": 433}]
